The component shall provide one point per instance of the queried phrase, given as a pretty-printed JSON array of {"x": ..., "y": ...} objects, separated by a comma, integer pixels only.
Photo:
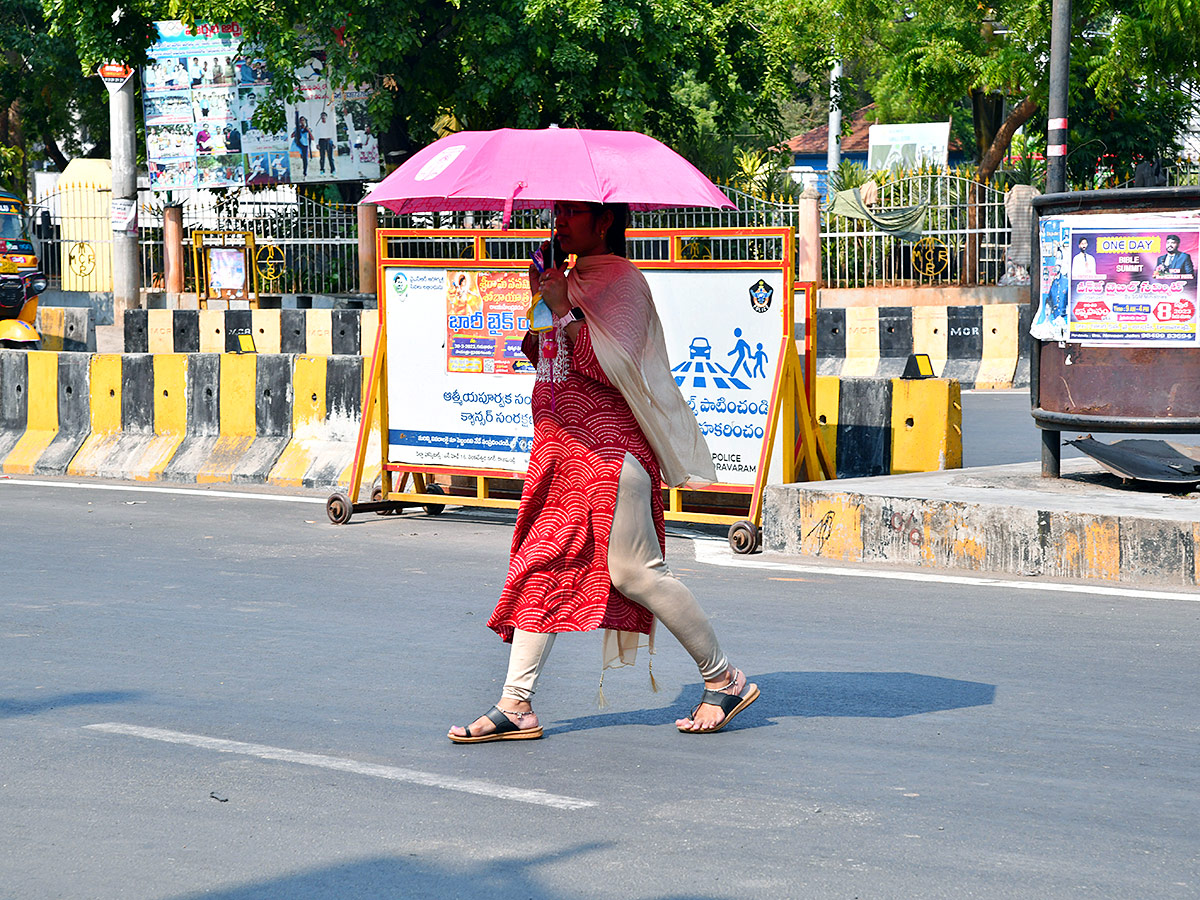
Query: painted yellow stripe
[
  {"x": 106, "y": 392},
  {"x": 267, "y": 330},
  {"x": 929, "y": 334},
  {"x": 41, "y": 425},
  {"x": 238, "y": 394},
  {"x": 160, "y": 330},
  {"x": 1000, "y": 342},
  {"x": 308, "y": 420},
  {"x": 831, "y": 526},
  {"x": 170, "y": 416},
  {"x": 105, "y": 397},
  {"x": 862, "y": 342},
  {"x": 318, "y": 332},
  {"x": 368, "y": 328},
  {"x": 212, "y": 331},
  {"x": 829, "y": 391}
]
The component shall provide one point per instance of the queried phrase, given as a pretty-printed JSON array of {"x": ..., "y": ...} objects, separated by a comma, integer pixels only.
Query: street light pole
[
  {"x": 834, "y": 156},
  {"x": 1056, "y": 171}
]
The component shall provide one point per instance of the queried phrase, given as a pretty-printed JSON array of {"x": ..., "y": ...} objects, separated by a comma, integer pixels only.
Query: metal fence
[
  {"x": 965, "y": 237},
  {"x": 316, "y": 240}
]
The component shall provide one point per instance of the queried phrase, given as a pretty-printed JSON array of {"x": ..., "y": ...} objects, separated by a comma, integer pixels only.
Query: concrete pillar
[
  {"x": 368, "y": 222},
  {"x": 808, "y": 237},
  {"x": 127, "y": 275},
  {"x": 834, "y": 155},
  {"x": 173, "y": 254}
]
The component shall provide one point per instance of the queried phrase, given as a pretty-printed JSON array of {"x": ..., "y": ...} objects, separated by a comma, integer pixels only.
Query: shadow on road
[
  {"x": 884, "y": 695},
  {"x": 11, "y": 707},
  {"x": 411, "y": 878}
]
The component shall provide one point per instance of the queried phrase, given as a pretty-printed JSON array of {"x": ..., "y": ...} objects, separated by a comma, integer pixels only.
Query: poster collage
[
  {"x": 201, "y": 90},
  {"x": 1119, "y": 280}
]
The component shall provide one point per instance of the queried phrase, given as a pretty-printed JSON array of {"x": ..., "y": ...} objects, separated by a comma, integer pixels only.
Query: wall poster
[{"x": 1119, "y": 280}]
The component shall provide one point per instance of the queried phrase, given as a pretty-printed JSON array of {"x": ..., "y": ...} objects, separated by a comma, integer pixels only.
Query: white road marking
[
  {"x": 392, "y": 773},
  {"x": 148, "y": 489},
  {"x": 719, "y": 553}
]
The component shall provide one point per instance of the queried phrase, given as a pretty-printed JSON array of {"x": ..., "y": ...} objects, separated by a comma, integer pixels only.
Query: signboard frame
[
  {"x": 790, "y": 429},
  {"x": 209, "y": 248}
]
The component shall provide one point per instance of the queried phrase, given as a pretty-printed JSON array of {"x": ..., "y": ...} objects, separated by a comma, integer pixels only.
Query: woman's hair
[{"x": 614, "y": 237}]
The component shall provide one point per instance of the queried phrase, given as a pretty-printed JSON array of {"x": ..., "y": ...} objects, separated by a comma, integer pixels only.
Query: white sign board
[
  {"x": 908, "y": 146},
  {"x": 460, "y": 390}
]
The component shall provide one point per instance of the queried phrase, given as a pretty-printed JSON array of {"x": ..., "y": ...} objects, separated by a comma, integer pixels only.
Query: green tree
[
  {"x": 701, "y": 75},
  {"x": 46, "y": 101},
  {"x": 930, "y": 53}
]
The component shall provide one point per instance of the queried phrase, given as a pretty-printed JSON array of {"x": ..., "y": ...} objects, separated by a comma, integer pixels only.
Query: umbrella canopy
[{"x": 516, "y": 168}]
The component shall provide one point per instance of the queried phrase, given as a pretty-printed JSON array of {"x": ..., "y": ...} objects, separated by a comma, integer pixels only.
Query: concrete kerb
[{"x": 1002, "y": 520}]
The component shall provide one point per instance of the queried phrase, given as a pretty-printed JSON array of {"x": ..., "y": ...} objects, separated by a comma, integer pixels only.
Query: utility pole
[
  {"x": 834, "y": 157},
  {"x": 1060, "y": 68},
  {"x": 1056, "y": 171},
  {"x": 126, "y": 268}
]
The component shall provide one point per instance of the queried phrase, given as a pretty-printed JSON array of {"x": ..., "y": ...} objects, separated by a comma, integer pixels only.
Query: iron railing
[{"x": 965, "y": 237}]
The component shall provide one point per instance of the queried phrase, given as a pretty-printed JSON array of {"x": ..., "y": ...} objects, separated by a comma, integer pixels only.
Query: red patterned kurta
[{"x": 558, "y": 574}]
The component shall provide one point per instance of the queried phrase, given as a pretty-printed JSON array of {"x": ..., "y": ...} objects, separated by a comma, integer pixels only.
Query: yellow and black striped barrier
[
  {"x": 977, "y": 346},
  {"x": 182, "y": 417}
]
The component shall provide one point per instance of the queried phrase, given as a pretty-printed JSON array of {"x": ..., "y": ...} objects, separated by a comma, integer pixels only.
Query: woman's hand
[{"x": 553, "y": 285}]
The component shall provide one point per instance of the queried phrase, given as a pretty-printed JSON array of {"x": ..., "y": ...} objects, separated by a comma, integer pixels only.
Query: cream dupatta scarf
[{"x": 628, "y": 341}]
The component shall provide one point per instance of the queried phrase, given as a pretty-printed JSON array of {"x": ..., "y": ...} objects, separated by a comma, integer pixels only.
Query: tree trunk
[
  {"x": 54, "y": 151},
  {"x": 995, "y": 153}
]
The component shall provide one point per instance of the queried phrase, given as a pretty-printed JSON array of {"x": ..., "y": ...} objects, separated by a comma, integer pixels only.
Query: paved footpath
[{"x": 226, "y": 696}]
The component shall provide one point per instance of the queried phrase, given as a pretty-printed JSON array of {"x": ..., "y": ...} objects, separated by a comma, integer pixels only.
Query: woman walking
[{"x": 609, "y": 426}]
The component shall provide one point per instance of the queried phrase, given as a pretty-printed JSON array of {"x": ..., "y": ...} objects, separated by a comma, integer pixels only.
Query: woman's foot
[
  {"x": 506, "y": 721},
  {"x": 723, "y": 699}
]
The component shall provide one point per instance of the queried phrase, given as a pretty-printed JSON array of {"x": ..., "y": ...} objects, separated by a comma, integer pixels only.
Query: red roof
[{"x": 816, "y": 142}]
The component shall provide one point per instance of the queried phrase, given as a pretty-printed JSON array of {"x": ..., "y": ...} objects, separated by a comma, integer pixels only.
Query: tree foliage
[
  {"x": 45, "y": 97},
  {"x": 1131, "y": 60},
  {"x": 681, "y": 70}
]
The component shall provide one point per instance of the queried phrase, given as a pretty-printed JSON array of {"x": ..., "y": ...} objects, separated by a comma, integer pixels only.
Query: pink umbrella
[{"x": 515, "y": 168}]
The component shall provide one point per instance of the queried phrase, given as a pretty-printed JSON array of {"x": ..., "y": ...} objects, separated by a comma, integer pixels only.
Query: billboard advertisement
[
  {"x": 201, "y": 89},
  {"x": 454, "y": 357}
]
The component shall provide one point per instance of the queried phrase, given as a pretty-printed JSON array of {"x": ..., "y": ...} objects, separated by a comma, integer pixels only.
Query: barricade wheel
[
  {"x": 744, "y": 536},
  {"x": 377, "y": 497},
  {"x": 434, "y": 509},
  {"x": 339, "y": 508}
]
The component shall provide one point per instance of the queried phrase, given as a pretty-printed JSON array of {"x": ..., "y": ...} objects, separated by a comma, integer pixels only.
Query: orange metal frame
[{"x": 792, "y": 398}]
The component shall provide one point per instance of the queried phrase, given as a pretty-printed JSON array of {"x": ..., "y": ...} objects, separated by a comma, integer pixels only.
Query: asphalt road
[
  {"x": 231, "y": 698},
  {"x": 998, "y": 429}
]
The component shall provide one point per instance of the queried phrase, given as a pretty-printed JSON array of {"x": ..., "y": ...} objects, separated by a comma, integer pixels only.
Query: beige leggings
[{"x": 637, "y": 570}]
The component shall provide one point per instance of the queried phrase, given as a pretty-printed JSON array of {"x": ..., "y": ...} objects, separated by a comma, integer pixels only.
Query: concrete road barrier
[
  {"x": 43, "y": 411},
  {"x": 183, "y": 417},
  {"x": 977, "y": 346},
  {"x": 887, "y": 426},
  {"x": 314, "y": 332}
]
